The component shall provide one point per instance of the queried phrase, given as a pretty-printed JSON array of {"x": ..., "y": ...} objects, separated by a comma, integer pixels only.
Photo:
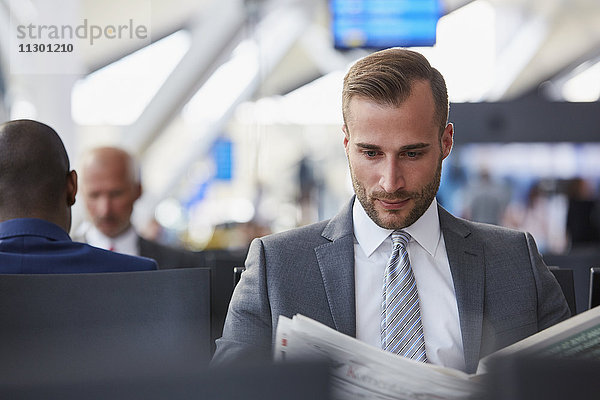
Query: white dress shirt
[
  {"x": 429, "y": 262},
  {"x": 126, "y": 242}
]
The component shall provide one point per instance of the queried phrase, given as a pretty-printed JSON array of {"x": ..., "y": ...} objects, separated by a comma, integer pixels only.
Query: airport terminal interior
[{"x": 233, "y": 109}]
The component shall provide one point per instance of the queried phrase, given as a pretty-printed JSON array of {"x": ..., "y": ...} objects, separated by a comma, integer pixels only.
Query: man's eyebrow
[
  {"x": 368, "y": 146},
  {"x": 414, "y": 146}
]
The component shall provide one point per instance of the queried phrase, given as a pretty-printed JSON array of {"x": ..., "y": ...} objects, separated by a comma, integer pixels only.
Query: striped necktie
[{"x": 401, "y": 328}]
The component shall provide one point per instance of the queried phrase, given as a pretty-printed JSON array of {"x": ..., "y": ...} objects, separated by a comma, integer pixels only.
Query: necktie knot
[{"x": 400, "y": 237}]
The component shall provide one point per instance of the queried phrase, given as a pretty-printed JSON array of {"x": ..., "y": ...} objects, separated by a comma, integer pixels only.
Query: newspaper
[
  {"x": 362, "y": 371},
  {"x": 576, "y": 337}
]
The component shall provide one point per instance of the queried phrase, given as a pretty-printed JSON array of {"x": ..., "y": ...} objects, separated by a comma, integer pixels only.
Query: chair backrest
[
  {"x": 221, "y": 263},
  {"x": 89, "y": 328},
  {"x": 525, "y": 378},
  {"x": 580, "y": 262},
  {"x": 594, "y": 287},
  {"x": 237, "y": 275},
  {"x": 289, "y": 381},
  {"x": 564, "y": 276}
]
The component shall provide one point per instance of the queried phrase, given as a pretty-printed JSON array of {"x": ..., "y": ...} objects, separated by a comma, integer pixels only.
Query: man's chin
[
  {"x": 390, "y": 219},
  {"x": 110, "y": 232}
]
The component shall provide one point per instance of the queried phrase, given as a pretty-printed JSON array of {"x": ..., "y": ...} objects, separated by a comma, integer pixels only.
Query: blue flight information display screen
[{"x": 378, "y": 24}]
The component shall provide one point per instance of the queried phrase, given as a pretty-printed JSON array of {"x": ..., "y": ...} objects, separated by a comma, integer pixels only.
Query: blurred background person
[
  {"x": 486, "y": 200},
  {"x": 536, "y": 214},
  {"x": 110, "y": 186},
  {"x": 583, "y": 215}
]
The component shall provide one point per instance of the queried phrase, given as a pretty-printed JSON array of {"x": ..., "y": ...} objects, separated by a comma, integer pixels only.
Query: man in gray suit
[{"x": 480, "y": 287}]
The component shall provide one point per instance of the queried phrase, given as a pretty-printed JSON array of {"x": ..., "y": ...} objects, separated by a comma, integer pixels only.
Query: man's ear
[
  {"x": 447, "y": 140},
  {"x": 346, "y": 136},
  {"x": 71, "y": 187}
]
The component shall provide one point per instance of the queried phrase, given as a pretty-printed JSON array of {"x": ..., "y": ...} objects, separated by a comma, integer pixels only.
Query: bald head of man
[
  {"x": 35, "y": 180},
  {"x": 110, "y": 185}
]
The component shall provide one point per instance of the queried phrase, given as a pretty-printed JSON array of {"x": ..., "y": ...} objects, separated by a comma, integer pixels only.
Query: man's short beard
[{"x": 422, "y": 200}]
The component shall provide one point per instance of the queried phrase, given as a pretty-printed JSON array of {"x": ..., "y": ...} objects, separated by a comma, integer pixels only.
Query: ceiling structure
[
  {"x": 538, "y": 39},
  {"x": 551, "y": 39}
]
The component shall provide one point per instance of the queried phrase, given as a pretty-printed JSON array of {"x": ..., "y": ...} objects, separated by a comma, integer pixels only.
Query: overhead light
[
  {"x": 118, "y": 93},
  {"x": 23, "y": 109},
  {"x": 583, "y": 87}
]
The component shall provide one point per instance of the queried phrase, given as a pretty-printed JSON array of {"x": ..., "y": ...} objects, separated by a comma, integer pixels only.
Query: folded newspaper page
[
  {"x": 576, "y": 337},
  {"x": 362, "y": 371}
]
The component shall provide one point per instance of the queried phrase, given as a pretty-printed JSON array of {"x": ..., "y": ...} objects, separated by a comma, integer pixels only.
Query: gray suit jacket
[{"x": 503, "y": 289}]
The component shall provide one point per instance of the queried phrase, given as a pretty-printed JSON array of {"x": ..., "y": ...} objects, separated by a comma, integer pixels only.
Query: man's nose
[
  {"x": 392, "y": 177},
  {"x": 103, "y": 206}
]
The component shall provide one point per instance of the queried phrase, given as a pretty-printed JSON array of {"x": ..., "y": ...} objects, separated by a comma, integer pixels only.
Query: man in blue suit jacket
[
  {"x": 37, "y": 190},
  {"x": 480, "y": 287}
]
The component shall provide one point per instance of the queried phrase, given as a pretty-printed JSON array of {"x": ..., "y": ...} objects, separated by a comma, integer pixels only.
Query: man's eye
[
  {"x": 370, "y": 153},
  {"x": 412, "y": 154}
]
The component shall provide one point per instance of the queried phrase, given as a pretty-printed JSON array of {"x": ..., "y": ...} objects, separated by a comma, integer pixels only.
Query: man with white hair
[{"x": 110, "y": 186}]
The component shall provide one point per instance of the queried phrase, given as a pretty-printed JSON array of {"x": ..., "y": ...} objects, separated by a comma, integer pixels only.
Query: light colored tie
[{"x": 401, "y": 328}]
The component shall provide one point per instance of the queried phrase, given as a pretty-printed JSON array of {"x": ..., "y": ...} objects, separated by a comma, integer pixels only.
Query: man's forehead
[{"x": 106, "y": 178}]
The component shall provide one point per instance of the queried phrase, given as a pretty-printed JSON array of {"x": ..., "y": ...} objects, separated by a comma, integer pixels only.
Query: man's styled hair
[{"x": 387, "y": 76}]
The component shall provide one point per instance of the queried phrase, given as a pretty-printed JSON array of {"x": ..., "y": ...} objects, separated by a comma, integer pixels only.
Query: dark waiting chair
[
  {"x": 526, "y": 378},
  {"x": 92, "y": 330},
  {"x": 220, "y": 263},
  {"x": 580, "y": 262},
  {"x": 564, "y": 276},
  {"x": 237, "y": 275},
  {"x": 594, "y": 295},
  {"x": 289, "y": 381}
]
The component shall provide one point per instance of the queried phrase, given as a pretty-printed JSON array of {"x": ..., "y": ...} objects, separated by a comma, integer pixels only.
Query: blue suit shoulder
[
  {"x": 36, "y": 246},
  {"x": 116, "y": 262}
]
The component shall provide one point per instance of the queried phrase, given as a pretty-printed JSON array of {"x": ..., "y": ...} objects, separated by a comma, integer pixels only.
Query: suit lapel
[
  {"x": 467, "y": 265},
  {"x": 143, "y": 248},
  {"x": 336, "y": 262}
]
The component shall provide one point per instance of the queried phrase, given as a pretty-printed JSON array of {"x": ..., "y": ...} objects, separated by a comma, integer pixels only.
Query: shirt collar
[
  {"x": 96, "y": 238},
  {"x": 32, "y": 227},
  {"x": 426, "y": 230},
  {"x": 368, "y": 234}
]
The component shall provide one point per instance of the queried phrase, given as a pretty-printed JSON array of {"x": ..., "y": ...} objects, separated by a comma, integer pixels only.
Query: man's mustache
[{"x": 398, "y": 195}]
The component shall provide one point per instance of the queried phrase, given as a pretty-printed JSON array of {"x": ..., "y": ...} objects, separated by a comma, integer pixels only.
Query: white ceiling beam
[
  {"x": 273, "y": 37},
  {"x": 317, "y": 44},
  {"x": 519, "y": 51},
  {"x": 218, "y": 29}
]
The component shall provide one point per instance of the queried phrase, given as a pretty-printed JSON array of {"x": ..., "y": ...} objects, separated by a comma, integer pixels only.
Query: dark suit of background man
[
  {"x": 110, "y": 186},
  {"x": 480, "y": 287},
  {"x": 37, "y": 190}
]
